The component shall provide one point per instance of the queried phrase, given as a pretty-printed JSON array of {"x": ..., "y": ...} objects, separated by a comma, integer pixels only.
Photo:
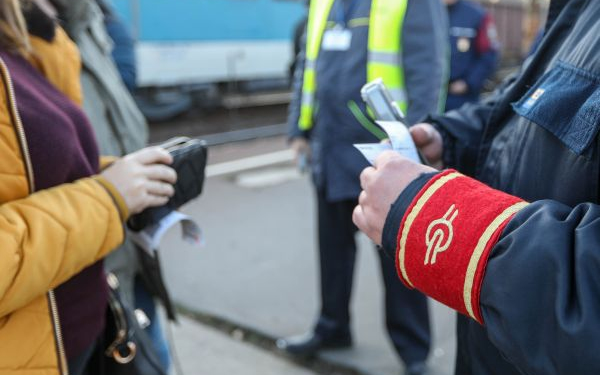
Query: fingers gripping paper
[{"x": 400, "y": 141}]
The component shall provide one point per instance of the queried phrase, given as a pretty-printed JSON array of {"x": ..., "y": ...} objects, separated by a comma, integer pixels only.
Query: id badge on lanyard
[
  {"x": 337, "y": 39},
  {"x": 340, "y": 37}
]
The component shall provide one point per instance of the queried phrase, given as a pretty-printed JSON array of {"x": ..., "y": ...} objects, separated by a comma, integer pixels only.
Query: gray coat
[{"x": 119, "y": 125}]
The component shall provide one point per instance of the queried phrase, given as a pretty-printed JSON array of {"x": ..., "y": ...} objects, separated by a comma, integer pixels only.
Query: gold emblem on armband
[{"x": 439, "y": 235}]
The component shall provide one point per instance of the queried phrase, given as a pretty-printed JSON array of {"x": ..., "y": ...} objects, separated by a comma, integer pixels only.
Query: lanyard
[{"x": 343, "y": 13}]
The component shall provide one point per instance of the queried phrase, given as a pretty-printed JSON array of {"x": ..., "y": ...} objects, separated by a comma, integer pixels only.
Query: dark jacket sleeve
[
  {"x": 541, "y": 292},
  {"x": 462, "y": 129},
  {"x": 425, "y": 57},
  {"x": 294, "y": 109},
  {"x": 538, "y": 287}
]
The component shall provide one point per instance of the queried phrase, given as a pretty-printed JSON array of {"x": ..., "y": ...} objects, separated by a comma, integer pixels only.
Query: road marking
[
  {"x": 266, "y": 177},
  {"x": 252, "y": 162}
]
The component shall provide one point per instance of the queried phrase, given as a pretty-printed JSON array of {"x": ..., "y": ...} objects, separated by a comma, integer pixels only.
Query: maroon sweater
[{"x": 62, "y": 148}]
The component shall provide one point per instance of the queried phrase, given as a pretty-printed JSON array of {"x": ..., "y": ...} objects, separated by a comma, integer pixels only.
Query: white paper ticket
[
  {"x": 400, "y": 139},
  {"x": 149, "y": 238},
  {"x": 372, "y": 150}
]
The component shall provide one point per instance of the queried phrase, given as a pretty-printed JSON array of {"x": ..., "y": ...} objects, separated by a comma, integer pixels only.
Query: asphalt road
[{"x": 258, "y": 266}]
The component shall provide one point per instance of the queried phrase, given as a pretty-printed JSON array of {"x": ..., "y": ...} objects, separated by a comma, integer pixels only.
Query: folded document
[{"x": 150, "y": 237}]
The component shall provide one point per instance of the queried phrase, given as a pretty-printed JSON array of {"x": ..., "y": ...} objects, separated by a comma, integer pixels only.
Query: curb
[{"x": 266, "y": 342}]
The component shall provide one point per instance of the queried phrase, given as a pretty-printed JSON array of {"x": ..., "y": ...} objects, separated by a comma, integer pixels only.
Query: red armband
[{"x": 446, "y": 236}]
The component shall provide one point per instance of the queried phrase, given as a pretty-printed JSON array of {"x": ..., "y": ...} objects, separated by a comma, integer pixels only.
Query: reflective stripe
[
  {"x": 306, "y": 120},
  {"x": 357, "y": 22},
  {"x": 385, "y": 47},
  {"x": 317, "y": 21},
  {"x": 387, "y": 16},
  {"x": 309, "y": 81},
  {"x": 310, "y": 64},
  {"x": 308, "y": 99},
  {"x": 399, "y": 95},
  {"x": 388, "y": 58}
]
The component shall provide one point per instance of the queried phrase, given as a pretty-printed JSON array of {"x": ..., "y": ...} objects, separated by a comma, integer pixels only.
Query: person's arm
[
  {"x": 487, "y": 47},
  {"x": 530, "y": 273},
  {"x": 52, "y": 235},
  {"x": 424, "y": 57}
]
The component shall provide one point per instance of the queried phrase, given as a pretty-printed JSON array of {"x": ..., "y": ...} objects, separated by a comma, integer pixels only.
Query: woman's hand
[{"x": 143, "y": 178}]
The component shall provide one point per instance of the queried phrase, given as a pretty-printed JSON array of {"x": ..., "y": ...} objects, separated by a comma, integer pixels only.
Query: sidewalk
[{"x": 204, "y": 350}]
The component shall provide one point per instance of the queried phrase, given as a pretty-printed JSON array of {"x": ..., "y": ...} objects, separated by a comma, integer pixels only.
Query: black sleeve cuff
[{"x": 399, "y": 207}]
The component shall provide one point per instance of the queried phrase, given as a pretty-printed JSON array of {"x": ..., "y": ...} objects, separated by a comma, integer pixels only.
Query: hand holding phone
[
  {"x": 380, "y": 101},
  {"x": 384, "y": 108}
]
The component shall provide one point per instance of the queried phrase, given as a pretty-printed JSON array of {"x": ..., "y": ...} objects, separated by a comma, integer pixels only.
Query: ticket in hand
[
  {"x": 372, "y": 150},
  {"x": 400, "y": 141}
]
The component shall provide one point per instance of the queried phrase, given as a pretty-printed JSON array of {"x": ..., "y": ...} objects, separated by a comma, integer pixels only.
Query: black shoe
[{"x": 308, "y": 345}]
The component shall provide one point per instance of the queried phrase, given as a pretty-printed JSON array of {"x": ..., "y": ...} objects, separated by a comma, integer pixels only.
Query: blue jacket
[
  {"x": 335, "y": 163},
  {"x": 537, "y": 138},
  {"x": 474, "y": 49}
]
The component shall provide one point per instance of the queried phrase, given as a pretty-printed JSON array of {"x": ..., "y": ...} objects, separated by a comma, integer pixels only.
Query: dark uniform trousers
[{"x": 407, "y": 319}]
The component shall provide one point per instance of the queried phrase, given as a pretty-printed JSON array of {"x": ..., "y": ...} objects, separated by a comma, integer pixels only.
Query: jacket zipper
[{"x": 62, "y": 358}]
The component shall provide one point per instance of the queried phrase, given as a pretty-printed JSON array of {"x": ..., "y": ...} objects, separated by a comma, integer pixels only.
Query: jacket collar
[
  {"x": 76, "y": 15},
  {"x": 39, "y": 23},
  {"x": 556, "y": 6}
]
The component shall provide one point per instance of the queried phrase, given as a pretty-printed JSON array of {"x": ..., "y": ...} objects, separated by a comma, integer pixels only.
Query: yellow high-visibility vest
[{"x": 384, "y": 51}]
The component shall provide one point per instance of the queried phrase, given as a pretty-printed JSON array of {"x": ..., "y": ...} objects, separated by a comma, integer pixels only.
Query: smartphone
[{"x": 380, "y": 101}]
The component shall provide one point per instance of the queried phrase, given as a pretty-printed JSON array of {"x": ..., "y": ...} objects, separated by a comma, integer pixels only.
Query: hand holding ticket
[
  {"x": 400, "y": 141},
  {"x": 372, "y": 150}
]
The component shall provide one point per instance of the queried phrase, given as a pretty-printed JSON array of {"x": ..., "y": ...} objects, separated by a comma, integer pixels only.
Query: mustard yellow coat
[{"x": 45, "y": 237}]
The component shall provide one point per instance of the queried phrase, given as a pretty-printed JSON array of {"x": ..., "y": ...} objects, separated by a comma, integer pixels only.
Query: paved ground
[
  {"x": 258, "y": 270},
  {"x": 204, "y": 350}
]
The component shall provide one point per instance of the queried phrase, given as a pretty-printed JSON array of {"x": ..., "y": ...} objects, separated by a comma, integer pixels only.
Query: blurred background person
[
  {"x": 474, "y": 51},
  {"x": 123, "y": 45},
  {"x": 349, "y": 43},
  {"x": 298, "y": 41},
  {"x": 108, "y": 74}
]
